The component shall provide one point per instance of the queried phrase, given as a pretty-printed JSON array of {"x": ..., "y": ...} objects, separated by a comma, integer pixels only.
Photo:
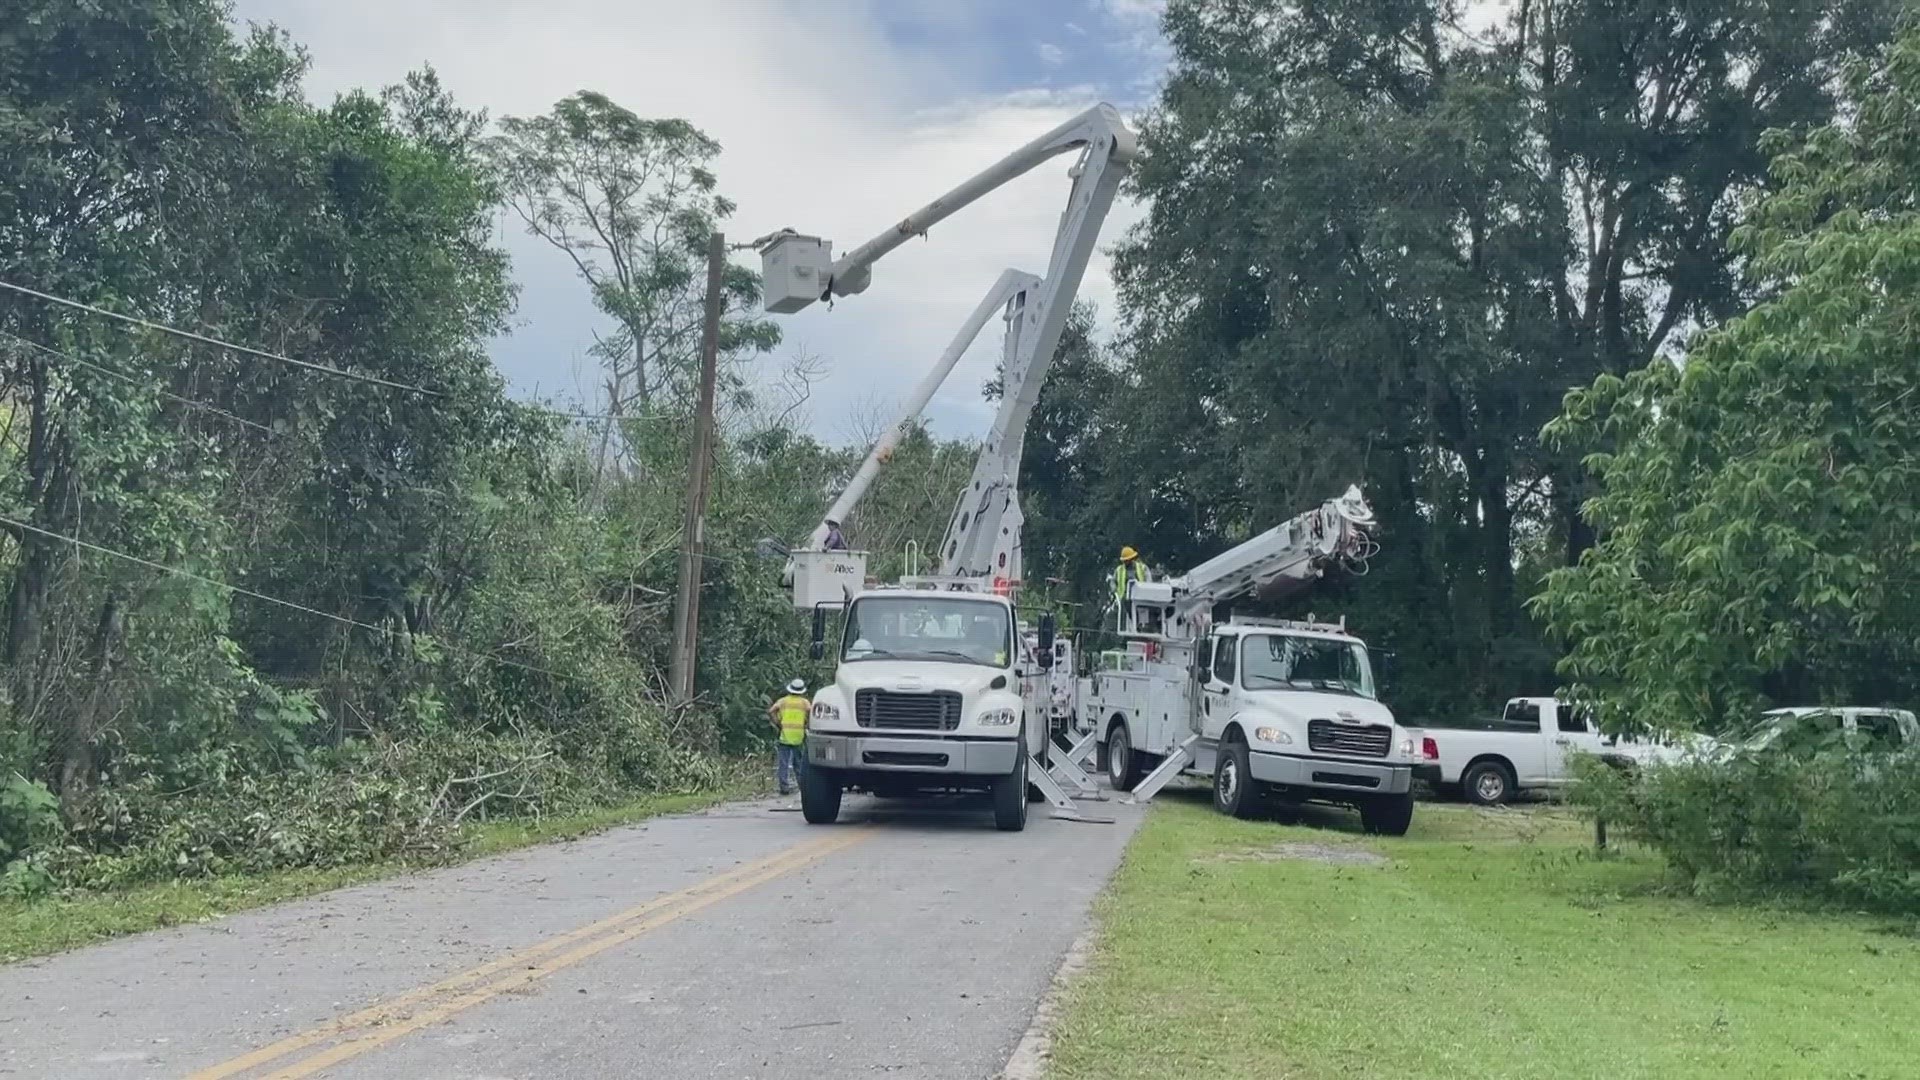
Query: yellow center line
[{"x": 390, "y": 1019}]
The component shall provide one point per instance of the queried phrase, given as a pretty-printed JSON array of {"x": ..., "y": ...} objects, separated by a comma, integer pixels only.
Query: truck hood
[
  {"x": 1305, "y": 705},
  {"x": 919, "y": 677}
]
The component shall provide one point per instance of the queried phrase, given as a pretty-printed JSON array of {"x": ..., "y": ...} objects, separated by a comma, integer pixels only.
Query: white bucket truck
[
  {"x": 1274, "y": 712},
  {"x": 936, "y": 691}
]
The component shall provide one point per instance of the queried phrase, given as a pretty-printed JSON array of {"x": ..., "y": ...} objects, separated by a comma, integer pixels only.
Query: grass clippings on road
[
  {"x": 53, "y": 924},
  {"x": 1492, "y": 944}
]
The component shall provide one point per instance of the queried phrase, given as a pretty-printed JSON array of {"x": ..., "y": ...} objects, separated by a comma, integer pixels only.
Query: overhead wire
[
  {"x": 218, "y": 343},
  {"x": 265, "y": 598},
  {"x": 248, "y": 350},
  {"x": 124, "y": 377}
]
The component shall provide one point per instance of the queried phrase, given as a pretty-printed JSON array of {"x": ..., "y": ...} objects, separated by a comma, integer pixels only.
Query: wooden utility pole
[{"x": 686, "y": 609}]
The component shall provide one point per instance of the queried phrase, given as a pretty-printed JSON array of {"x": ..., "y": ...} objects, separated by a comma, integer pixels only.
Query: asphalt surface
[{"x": 911, "y": 940}]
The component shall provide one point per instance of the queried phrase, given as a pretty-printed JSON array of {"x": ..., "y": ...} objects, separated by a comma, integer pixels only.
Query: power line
[
  {"x": 124, "y": 377},
  {"x": 265, "y": 355},
  {"x": 218, "y": 343},
  {"x": 238, "y": 590}
]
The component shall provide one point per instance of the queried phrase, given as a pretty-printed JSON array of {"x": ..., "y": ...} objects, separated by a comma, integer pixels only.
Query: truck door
[
  {"x": 1529, "y": 754},
  {"x": 1216, "y": 697},
  {"x": 1573, "y": 733}
]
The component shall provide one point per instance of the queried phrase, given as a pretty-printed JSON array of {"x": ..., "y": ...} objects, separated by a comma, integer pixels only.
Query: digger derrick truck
[
  {"x": 1272, "y": 711},
  {"x": 939, "y": 686}
]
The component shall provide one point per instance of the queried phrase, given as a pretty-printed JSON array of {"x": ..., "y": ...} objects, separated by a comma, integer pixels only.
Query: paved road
[{"x": 910, "y": 941}]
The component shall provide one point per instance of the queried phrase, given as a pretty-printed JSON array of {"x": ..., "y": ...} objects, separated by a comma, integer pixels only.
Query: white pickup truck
[{"x": 1531, "y": 747}]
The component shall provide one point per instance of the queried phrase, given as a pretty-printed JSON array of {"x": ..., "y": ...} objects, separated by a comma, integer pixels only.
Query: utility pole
[{"x": 686, "y": 609}]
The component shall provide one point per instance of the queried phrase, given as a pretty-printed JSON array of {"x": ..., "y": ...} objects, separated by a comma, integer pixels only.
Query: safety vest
[
  {"x": 793, "y": 719},
  {"x": 1120, "y": 579}
]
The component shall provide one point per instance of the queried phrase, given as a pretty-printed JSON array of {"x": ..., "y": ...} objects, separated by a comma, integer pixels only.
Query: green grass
[
  {"x": 56, "y": 923},
  {"x": 1493, "y": 945}
]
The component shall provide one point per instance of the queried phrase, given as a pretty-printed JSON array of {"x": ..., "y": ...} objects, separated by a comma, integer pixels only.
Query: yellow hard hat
[{"x": 1127, "y": 554}]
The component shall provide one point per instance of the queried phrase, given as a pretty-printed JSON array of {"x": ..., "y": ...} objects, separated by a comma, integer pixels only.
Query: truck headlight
[
  {"x": 826, "y": 712},
  {"x": 1273, "y": 735},
  {"x": 1406, "y": 747},
  {"x": 999, "y": 718}
]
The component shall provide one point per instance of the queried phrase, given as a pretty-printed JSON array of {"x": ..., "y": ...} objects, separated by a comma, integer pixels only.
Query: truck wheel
[
  {"x": 1487, "y": 783},
  {"x": 1387, "y": 815},
  {"x": 819, "y": 795},
  {"x": 1233, "y": 782},
  {"x": 1010, "y": 796},
  {"x": 1123, "y": 767}
]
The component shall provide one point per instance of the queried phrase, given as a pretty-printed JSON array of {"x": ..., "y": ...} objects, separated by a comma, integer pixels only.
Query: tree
[
  {"x": 1760, "y": 505},
  {"x": 631, "y": 201},
  {"x": 1381, "y": 247}
]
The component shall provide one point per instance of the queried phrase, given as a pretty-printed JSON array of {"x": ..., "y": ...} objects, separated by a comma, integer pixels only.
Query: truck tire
[
  {"x": 1123, "y": 765},
  {"x": 1387, "y": 815},
  {"x": 1233, "y": 792},
  {"x": 1010, "y": 796},
  {"x": 820, "y": 793},
  {"x": 1487, "y": 783}
]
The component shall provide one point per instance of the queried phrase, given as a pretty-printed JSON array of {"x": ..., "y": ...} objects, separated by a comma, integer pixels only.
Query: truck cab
[
  {"x": 1293, "y": 710},
  {"x": 935, "y": 690}
]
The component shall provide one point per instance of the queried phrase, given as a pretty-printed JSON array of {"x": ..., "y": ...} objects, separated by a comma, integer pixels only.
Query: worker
[
  {"x": 789, "y": 716},
  {"x": 834, "y": 540},
  {"x": 1130, "y": 568}
]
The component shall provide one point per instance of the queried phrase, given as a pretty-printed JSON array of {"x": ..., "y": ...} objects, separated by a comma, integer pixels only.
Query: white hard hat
[{"x": 797, "y": 686}]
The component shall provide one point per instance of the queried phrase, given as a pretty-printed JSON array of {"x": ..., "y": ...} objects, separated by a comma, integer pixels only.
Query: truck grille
[
  {"x": 1327, "y": 737},
  {"x": 938, "y": 711}
]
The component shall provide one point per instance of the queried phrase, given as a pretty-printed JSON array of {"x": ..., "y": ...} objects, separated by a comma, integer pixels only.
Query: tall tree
[
  {"x": 1760, "y": 507},
  {"x": 1381, "y": 246},
  {"x": 631, "y": 201}
]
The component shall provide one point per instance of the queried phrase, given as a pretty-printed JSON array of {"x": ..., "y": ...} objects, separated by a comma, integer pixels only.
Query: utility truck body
[
  {"x": 1288, "y": 711},
  {"x": 1273, "y": 711}
]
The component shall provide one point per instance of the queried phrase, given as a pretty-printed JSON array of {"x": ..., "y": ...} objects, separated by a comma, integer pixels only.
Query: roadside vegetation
[
  {"x": 1484, "y": 944},
  {"x": 50, "y": 923},
  {"x": 268, "y": 627}
]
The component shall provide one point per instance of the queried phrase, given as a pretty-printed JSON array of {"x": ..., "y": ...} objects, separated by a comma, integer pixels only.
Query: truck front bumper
[
  {"x": 878, "y": 753},
  {"x": 1331, "y": 774}
]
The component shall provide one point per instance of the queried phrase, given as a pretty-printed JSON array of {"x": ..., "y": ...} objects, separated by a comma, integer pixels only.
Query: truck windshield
[
  {"x": 922, "y": 628},
  {"x": 1280, "y": 661}
]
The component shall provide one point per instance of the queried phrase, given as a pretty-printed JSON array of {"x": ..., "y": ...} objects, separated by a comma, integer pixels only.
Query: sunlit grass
[{"x": 1493, "y": 944}]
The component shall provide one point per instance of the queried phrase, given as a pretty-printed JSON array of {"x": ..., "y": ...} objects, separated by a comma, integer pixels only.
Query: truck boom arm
[
  {"x": 1281, "y": 561},
  {"x": 983, "y": 537}
]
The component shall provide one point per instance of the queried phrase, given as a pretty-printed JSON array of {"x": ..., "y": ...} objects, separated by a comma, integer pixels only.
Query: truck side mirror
[
  {"x": 1043, "y": 651},
  {"x": 818, "y": 647},
  {"x": 1389, "y": 666}
]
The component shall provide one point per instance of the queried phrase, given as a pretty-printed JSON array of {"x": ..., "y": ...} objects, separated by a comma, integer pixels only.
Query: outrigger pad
[
  {"x": 1063, "y": 806},
  {"x": 1178, "y": 760}
]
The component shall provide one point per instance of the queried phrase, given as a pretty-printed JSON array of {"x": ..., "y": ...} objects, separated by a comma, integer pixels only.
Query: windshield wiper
[{"x": 968, "y": 657}]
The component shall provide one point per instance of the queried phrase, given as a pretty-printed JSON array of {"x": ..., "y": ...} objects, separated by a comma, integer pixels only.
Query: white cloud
[
  {"x": 826, "y": 128},
  {"x": 1050, "y": 54}
]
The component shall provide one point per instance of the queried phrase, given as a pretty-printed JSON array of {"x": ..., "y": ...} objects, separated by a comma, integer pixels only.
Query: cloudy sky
[{"x": 837, "y": 117}]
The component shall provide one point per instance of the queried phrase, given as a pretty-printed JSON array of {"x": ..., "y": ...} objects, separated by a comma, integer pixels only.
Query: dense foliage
[
  {"x": 259, "y": 615},
  {"x": 1381, "y": 245},
  {"x": 1761, "y": 505},
  {"x": 1831, "y": 825}
]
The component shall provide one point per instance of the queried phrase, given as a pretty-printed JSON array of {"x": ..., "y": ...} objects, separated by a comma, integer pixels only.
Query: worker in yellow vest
[
  {"x": 789, "y": 716},
  {"x": 1130, "y": 569}
]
